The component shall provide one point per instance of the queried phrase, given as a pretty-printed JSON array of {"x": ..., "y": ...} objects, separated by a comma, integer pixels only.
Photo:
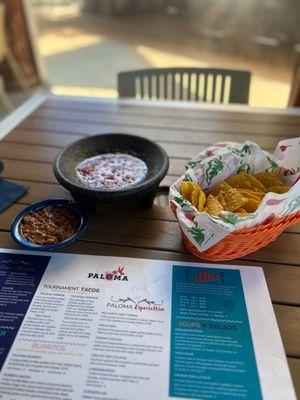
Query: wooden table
[{"x": 34, "y": 134}]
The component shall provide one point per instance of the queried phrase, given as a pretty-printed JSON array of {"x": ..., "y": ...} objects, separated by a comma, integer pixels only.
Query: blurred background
[{"x": 77, "y": 47}]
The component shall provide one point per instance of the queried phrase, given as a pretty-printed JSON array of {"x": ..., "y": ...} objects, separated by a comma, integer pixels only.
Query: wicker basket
[{"x": 243, "y": 242}]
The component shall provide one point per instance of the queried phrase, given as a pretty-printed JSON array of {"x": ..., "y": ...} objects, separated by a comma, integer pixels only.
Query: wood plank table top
[{"x": 35, "y": 133}]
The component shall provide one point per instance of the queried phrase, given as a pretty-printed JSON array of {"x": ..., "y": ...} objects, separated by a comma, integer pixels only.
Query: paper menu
[{"x": 86, "y": 327}]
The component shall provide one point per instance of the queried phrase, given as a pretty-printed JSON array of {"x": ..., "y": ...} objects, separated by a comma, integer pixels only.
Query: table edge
[
  {"x": 179, "y": 104},
  {"x": 19, "y": 114}
]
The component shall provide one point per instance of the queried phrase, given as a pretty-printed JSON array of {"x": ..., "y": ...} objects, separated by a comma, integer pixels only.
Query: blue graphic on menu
[
  {"x": 212, "y": 355},
  {"x": 20, "y": 275}
]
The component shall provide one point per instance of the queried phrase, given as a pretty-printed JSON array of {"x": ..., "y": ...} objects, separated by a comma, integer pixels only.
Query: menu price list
[{"x": 212, "y": 354}]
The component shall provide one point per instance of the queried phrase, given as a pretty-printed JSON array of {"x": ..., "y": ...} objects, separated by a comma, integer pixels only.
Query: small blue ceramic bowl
[{"x": 15, "y": 226}]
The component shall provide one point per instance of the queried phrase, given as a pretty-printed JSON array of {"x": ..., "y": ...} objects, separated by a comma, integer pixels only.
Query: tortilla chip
[
  {"x": 270, "y": 174},
  {"x": 231, "y": 199},
  {"x": 268, "y": 179},
  {"x": 278, "y": 189},
  {"x": 241, "y": 211},
  {"x": 251, "y": 194},
  {"x": 186, "y": 189},
  {"x": 251, "y": 205},
  {"x": 213, "y": 205},
  {"x": 202, "y": 200},
  {"x": 255, "y": 183},
  {"x": 245, "y": 181},
  {"x": 222, "y": 186},
  {"x": 195, "y": 195},
  {"x": 221, "y": 199}
]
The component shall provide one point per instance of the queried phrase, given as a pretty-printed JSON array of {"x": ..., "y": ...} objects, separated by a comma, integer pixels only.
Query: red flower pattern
[
  {"x": 283, "y": 148},
  {"x": 273, "y": 202},
  {"x": 189, "y": 217}
]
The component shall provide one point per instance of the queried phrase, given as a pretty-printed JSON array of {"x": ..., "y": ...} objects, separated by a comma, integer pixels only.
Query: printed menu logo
[
  {"x": 136, "y": 304},
  {"x": 115, "y": 275}
]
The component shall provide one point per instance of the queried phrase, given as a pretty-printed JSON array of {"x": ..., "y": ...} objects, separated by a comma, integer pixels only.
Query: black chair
[{"x": 196, "y": 84}]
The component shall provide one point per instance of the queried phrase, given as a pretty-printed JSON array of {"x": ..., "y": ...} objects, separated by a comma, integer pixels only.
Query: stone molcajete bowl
[{"x": 144, "y": 192}]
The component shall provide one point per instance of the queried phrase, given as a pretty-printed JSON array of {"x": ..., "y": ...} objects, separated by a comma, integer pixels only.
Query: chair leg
[
  {"x": 5, "y": 100},
  {"x": 22, "y": 81}
]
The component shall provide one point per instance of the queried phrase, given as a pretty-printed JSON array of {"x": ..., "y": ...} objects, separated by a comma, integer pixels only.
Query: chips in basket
[
  {"x": 236, "y": 186},
  {"x": 241, "y": 193}
]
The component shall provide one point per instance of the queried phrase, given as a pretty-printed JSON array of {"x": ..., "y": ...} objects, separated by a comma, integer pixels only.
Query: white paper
[{"x": 79, "y": 340}]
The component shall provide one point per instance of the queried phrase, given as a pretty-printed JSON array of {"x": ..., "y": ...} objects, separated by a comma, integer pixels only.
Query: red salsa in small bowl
[{"x": 49, "y": 224}]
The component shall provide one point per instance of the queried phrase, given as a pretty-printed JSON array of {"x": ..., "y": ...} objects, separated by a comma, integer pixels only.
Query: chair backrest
[
  {"x": 2, "y": 32},
  {"x": 196, "y": 84}
]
